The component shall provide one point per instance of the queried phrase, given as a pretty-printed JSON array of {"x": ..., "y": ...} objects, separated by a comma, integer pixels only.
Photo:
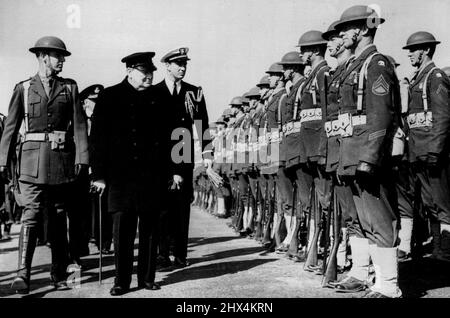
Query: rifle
[
  {"x": 326, "y": 224},
  {"x": 311, "y": 258},
  {"x": 243, "y": 215},
  {"x": 269, "y": 219},
  {"x": 331, "y": 269},
  {"x": 293, "y": 245},
  {"x": 260, "y": 215},
  {"x": 237, "y": 210}
]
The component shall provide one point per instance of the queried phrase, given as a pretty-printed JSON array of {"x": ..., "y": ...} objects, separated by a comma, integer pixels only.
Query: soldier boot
[
  {"x": 27, "y": 245},
  {"x": 385, "y": 262}
]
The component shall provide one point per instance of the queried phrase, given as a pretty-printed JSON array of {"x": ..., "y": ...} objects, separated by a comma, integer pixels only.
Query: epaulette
[{"x": 28, "y": 79}]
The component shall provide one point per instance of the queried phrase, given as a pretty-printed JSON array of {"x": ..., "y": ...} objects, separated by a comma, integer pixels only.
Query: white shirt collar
[{"x": 170, "y": 83}]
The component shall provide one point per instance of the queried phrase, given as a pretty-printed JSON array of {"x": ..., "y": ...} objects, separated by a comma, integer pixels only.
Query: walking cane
[{"x": 100, "y": 238}]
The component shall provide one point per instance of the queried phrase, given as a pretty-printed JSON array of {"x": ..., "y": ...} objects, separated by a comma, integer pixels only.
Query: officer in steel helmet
[
  {"x": 429, "y": 124},
  {"x": 53, "y": 152}
]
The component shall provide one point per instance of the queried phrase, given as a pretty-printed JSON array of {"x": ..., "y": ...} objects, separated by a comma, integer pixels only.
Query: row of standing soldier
[{"x": 349, "y": 155}]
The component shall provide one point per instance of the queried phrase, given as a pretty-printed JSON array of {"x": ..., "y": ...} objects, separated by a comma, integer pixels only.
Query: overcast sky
[{"x": 231, "y": 42}]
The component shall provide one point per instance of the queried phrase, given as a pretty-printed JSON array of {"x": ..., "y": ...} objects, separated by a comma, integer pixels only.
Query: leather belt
[{"x": 36, "y": 137}]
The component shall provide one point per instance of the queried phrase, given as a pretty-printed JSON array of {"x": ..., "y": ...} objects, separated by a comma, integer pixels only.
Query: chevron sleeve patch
[{"x": 380, "y": 87}]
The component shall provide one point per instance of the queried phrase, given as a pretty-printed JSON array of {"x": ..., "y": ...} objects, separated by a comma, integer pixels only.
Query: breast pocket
[{"x": 34, "y": 108}]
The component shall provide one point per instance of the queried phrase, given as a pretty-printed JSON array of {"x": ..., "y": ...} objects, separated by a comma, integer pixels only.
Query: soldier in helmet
[
  {"x": 311, "y": 159},
  {"x": 293, "y": 67},
  {"x": 53, "y": 151},
  {"x": 237, "y": 113},
  {"x": 272, "y": 130},
  {"x": 222, "y": 190},
  {"x": 369, "y": 118},
  {"x": 429, "y": 124},
  {"x": 261, "y": 195},
  {"x": 343, "y": 192}
]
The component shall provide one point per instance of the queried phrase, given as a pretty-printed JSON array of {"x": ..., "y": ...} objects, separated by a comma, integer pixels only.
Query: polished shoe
[
  {"x": 178, "y": 262},
  {"x": 299, "y": 258},
  {"x": 20, "y": 285},
  {"x": 313, "y": 268},
  {"x": 351, "y": 285},
  {"x": 118, "y": 290},
  {"x": 61, "y": 285},
  {"x": 149, "y": 286},
  {"x": 281, "y": 249}
]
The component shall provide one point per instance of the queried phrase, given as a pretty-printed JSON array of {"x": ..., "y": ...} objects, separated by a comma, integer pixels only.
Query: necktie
[{"x": 174, "y": 93}]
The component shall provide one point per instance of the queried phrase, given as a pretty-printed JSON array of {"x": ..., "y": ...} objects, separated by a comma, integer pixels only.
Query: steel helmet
[
  {"x": 446, "y": 70},
  {"x": 359, "y": 13},
  {"x": 245, "y": 99},
  {"x": 311, "y": 38},
  {"x": 291, "y": 58},
  {"x": 50, "y": 43},
  {"x": 275, "y": 68},
  {"x": 254, "y": 92},
  {"x": 236, "y": 101},
  {"x": 327, "y": 35},
  {"x": 264, "y": 82},
  {"x": 220, "y": 120},
  {"x": 420, "y": 38},
  {"x": 227, "y": 113}
]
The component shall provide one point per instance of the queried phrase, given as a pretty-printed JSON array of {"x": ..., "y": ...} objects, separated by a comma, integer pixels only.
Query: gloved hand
[
  {"x": 81, "y": 169},
  {"x": 365, "y": 169},
  {"x": 98, "y": 186},
  {"x": 4, "y": 174}
]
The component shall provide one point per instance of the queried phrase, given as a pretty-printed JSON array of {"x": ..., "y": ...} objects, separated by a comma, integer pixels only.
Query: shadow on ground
[{"x": 417, "y": 277}]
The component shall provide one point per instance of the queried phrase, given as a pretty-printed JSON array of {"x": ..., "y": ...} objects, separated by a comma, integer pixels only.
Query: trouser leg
[
  {"x": 124, "y": 232},
  {"x": 148, "y": 243}
]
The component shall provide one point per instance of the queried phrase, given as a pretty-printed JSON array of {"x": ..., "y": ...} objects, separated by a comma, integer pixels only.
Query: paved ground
[{"x": 224, "y": 265}]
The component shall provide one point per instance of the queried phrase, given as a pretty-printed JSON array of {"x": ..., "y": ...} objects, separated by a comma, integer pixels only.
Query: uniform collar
[
  {"x": 367, "y": 51},
  {"x": 170, "y": 83},
  {"x": 422, "y": 71}
]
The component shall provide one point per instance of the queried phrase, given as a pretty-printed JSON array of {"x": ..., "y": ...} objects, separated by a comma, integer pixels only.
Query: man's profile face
[
  {"x": 349, "y": 33},
  {"x": 335, "y": 45},
  {"x": 54, "y": 60},
  {"x": 415, "y": 55},
  {"x": 177, "y": 69}
]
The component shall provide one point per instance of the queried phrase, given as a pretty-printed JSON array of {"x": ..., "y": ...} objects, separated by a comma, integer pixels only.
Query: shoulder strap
[
  {"x": 282, "y": 97},
  {"x": 424, "y": 91},
  {"x": 298, "y": 99},
  {"x": 26, "y": 86},
  {"x": 362, "y": 77},
  {"x": 315, "y": 86}
]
